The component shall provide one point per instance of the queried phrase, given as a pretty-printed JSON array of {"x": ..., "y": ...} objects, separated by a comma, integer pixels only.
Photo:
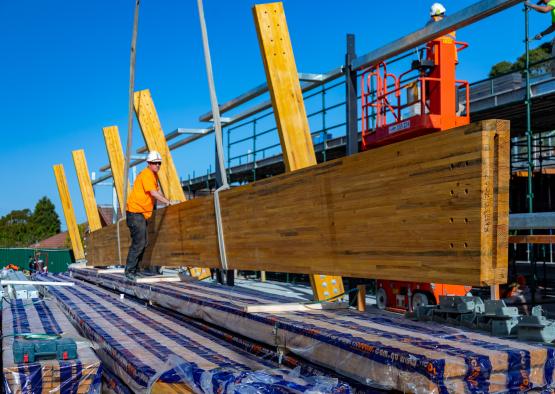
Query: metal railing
[{"x": 256, "y": 138}]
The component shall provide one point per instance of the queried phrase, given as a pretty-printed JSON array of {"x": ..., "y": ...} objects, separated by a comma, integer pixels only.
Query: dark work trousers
[{"x": 139, "y": 240}]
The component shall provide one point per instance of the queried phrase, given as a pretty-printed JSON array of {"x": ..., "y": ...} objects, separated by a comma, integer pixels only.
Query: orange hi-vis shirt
[{"x": 140, "y": 200}]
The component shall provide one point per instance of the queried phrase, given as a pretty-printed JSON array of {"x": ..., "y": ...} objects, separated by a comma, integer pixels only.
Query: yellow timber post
[
  {"x": 289, "y": 110},
  {"x": 69, "y": 214},
  {"x": 117, "y": 161},
  {"x": 87, "y": 192},
  {"x": 155, "y": 139}
]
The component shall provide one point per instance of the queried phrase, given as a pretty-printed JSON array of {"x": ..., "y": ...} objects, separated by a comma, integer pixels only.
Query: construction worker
[
  {"x": 437, "y": 13},
  {"x": 140, "y": 205},
  {"x": 548, "y": 7}
]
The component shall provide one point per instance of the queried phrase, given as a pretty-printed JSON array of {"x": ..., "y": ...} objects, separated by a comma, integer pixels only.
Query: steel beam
[
  {"x": 465, "y": 17},
  {"x": 462, "y": 18},
  {"x": 314, "y": 80},
  {"x": 237, "y": 101},
  {"x": 532, "y": 221}
]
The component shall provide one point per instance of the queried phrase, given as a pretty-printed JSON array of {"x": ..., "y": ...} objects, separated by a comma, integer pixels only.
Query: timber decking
[{"x": 431, "y": 209}]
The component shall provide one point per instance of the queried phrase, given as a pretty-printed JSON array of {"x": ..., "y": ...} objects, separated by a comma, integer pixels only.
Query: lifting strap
[{"x": 129, "y": 120}]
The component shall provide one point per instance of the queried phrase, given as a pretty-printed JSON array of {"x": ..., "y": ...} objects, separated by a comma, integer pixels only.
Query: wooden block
[
  {"x": 155, "y": 140},
  {"x": 111, "y": 271},
  {"x": 295, "y": 307},
  {"x": 117, "y": 161},
  {"x": 69, "y": 213},
  {"x": 289, "y": 110},
  {"x": 200, "y": 273},
  {"x": 431, "y": 209},
  {"x": 494, "y": 292},
  {"x": 87, "y": 192},
  {"x": 532, "y": 239},
  {"x": 171, "y": 388},
  {"x": 158, "y": 278},
  {"x": 361, "y": 298}
]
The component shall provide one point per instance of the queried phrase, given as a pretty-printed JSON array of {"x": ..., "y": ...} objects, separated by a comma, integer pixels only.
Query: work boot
[{"x": 131, "y": 276}]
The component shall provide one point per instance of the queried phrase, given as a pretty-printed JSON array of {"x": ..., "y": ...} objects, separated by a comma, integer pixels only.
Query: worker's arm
[
  {"x": 540, "y": 8},
  {"x": 550, "y": 29},
  {"x": 160, "y": 197}
]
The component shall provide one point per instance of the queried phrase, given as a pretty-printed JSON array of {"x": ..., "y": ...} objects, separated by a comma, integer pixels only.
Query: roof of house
[
  {"x": 106, "y": 214},
  {"x": 57, "y": 241}
]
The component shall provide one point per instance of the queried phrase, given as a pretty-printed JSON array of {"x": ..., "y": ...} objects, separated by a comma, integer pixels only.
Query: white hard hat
[
  {"x": 437, "y": 9},
  {"x": 154, "y": 157}
]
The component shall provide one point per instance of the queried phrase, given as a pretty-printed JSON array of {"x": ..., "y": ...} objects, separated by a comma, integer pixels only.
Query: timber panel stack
[
  {"x": 150, "y": 350},
  {"x": 432, "y": 209},
  {"x": 39, "y": 316},
  {"x": 374, "y": 347}
]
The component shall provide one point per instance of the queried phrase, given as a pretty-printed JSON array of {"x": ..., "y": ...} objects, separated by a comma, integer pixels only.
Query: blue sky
[{"x": 65, "y": 70}]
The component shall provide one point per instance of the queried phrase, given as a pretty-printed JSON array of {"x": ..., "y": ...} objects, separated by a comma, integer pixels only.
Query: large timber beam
[
  {"x": 155, "y": 140},
  {"x": 117, "y": 161},
  {"x": 69, "y": 214},
  {"x": 289, "y": 109},
  {"x": 432, "y": 209},
  {"x": 87, "y": 193}
]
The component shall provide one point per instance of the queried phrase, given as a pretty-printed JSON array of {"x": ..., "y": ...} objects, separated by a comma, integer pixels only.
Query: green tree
[
  {"x": 20, "y": 228},
  {"x": 45, "y": 221},
  {"x": 538, "y": 54},
  {"x": 500, "y": 68},
  {"x": 15, "y": 229}
]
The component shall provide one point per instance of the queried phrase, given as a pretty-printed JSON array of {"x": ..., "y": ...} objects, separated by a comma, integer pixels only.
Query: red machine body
[
  {"x": 432, "y": 104},
  {"x": 432, "y": 97}
]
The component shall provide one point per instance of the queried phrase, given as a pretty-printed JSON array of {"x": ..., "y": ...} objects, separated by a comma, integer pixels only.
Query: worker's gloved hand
[{"x": 173, "y": 202}]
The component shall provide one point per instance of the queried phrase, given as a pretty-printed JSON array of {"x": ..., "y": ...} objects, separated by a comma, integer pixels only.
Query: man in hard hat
[
  {"x": 437, "y": 13},
  {"x": 140, "y": 206},
  {"x": 549, "y": 6}
]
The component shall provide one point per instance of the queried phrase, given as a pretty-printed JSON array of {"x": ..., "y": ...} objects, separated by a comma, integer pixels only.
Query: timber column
[
  {"x": 289, "y": 109},
  {"x": 69, "y": 214}
]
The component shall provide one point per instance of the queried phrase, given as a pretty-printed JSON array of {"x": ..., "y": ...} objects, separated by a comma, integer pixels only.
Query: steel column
[{"x": 351, "y": 105}]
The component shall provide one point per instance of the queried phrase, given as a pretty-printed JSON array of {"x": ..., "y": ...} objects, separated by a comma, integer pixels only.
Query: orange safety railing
[{"x": 387, "y": 105}]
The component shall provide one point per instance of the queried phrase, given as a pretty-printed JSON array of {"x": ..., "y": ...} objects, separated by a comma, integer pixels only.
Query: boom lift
[{"x": 430, "y": 105}]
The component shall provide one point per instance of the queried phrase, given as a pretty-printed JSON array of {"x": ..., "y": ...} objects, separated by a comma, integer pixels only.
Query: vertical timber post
[
  {"x": 87, "y": 193},
  {"x": 155, "y": 140},
  {"x": 289, "y": 109},
  {"x": 116, "y": 158},
  {"x": 69, "y": 213}
]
